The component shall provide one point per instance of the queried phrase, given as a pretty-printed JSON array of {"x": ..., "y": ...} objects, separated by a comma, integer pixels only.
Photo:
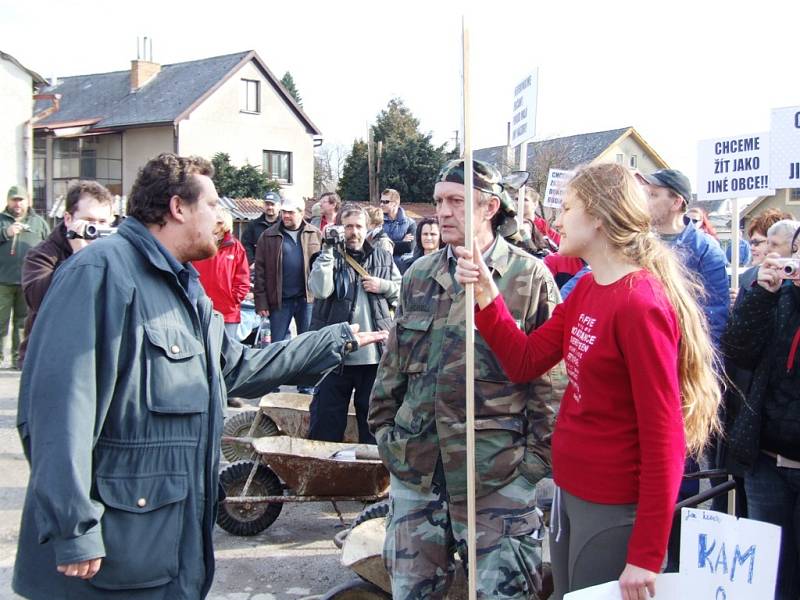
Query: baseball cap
[
  {"x": 672, "y": 179},
  {"x": 16, "y": 191},
  {"x": 273, "y": 197},
  {"x": 293, "y": 204}
]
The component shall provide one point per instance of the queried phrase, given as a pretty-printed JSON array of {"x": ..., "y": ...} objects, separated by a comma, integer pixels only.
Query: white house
[
  {"x": 17, "y": 86},
  {"x": 109, "y": 124}
]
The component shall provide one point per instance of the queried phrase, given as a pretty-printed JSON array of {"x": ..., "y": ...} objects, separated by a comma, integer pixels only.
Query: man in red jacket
[{"x": 226, "y": 275}]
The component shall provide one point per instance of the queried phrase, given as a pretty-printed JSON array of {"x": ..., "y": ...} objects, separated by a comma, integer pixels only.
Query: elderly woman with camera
[{"x": 764, "y": 432}]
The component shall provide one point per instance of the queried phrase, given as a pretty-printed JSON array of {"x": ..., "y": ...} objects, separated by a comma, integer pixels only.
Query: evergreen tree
[
  {"x": 246, "y": 182},
  {"x": 354, "y": 182},
  {"x": 409, "y": 164},
  {"x": 288, "y": 82}
]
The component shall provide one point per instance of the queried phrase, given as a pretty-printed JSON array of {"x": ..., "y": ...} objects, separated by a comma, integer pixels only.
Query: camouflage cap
[{"x": 488, "y": 179}]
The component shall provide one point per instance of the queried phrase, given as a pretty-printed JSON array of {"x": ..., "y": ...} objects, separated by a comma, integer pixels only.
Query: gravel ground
[{"x": 292, "y": 559}]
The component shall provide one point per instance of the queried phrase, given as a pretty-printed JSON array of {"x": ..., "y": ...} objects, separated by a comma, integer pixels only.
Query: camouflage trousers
[{"x": 424, "y": 529}]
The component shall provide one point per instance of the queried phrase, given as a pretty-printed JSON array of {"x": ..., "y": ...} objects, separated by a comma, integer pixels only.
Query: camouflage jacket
[{"x": 417, "y": 410}]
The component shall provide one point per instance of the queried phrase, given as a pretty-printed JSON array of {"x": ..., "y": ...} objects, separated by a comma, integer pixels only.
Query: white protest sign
[
  {"x": 523, "y": 116},
  {"x": 668, "y": 587},
  {"x": 734, "y": 167},
  {"x": 785, "y": 147},
  {"x": 554, "y": 192},
  {"x": 725, "y": 558}
]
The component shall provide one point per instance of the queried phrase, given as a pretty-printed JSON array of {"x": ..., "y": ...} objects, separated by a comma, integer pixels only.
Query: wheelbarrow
[
  {"x": 282, "y": 413},
  {"x": 287, "y": 469}
]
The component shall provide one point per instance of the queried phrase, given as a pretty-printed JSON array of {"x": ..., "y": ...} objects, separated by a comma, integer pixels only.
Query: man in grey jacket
[
  {"x": 356, "y": 282},
  {"x": 121, "y": 402}
]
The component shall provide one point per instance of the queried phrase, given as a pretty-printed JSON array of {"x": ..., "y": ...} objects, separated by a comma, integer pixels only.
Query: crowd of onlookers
[{"x": 344, "y": 263}]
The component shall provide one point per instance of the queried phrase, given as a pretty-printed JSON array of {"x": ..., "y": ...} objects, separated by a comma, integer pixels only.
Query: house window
[
  {"x": 40, "y": 173},
  {"x": 621, "y": 159},
  {"x": 251, "y": 96},
  {"x": 98, "y": 158},
  {"x": 634, "y": 162},
  {"x": 278, "y": 165},
  {"x": 795, "y": 197}
]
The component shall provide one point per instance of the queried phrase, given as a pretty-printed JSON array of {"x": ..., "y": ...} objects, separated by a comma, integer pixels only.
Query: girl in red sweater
[{"x": 641, "y": 390}]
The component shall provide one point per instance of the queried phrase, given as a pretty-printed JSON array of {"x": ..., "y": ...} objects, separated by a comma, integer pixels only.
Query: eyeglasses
[
  {"x": 754, "y": 243},
  {"x": 386, "y": 201}
]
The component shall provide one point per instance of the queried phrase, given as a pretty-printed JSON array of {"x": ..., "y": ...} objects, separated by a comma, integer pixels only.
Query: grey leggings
[{"x": 588, "y": 542}]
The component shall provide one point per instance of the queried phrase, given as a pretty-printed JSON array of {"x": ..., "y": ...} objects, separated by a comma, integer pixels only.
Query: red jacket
[{"x": 226, "y": 278}]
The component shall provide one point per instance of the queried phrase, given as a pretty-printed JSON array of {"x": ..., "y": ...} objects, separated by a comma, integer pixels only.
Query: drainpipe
[{"x": 27, "y": 136}]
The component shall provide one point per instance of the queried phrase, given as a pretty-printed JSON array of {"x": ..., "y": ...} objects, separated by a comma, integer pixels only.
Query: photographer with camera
[
  {"x": 20, "y": 230},
  {"x": 354, "y": 282},
  {"x": 87, "y": 216},
  {"x": 764, "y": 432}
]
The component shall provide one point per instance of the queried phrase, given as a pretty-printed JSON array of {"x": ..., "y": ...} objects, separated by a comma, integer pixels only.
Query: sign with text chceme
[
  {"x": 725, "y": 558},
  {"x": 554, "y": 192},
  {"x": 523, "y": 117},
  {"x": 785, "y": 147},
  {"x": 734, "y": 167}
]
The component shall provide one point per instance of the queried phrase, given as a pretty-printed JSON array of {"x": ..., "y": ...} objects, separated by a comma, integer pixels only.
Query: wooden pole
[
  {"x": 523, "y": 166},
  {"x": 378, "y": 174},
  {"x": 370, "y": 165},
  {"x": 469, "y": 324},
  {"x": 735, "y": 242}
]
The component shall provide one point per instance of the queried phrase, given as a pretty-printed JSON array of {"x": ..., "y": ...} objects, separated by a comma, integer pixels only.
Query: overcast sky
[{"x": 678, "y": 71}]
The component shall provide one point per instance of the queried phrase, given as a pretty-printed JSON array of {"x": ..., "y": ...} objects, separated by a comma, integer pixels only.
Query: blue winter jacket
[
  {"x": 702, "y": 256},
  {"x": 120, "y": 415},
  {"x": 400, "y": 226}
]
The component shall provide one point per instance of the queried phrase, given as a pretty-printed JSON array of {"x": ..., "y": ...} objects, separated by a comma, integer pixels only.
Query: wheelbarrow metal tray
[
  {"x": 290, "y": 412},
  {"x": 308, "y": 469}
]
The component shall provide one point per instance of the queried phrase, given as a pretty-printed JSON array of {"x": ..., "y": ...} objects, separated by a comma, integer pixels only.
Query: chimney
[{"x": 142, "y": 71}]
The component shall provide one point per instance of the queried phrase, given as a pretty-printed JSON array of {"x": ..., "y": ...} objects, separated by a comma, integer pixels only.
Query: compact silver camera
[
  {"x": 92, "y": 231},
  {"x": 334, "y": 235},
  {"x": 789, "y": 268}
]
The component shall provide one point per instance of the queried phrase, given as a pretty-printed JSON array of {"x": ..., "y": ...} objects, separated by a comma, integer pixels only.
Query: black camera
[{"x": 334, "y": 235}]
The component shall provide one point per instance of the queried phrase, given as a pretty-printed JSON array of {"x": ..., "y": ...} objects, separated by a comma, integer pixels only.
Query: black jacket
[
  {"x": 251, "y": 234},
  {"x": 333, "y": 309},
  {"x": 763, "y": 336}
]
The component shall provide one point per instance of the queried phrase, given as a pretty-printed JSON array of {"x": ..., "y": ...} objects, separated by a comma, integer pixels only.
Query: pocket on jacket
[
  {"x": 177, "y": 380},
  {"x": 142, "y": 526},
  {"x": 499, "y": 448},
  {"x": 413, "y": 341}
]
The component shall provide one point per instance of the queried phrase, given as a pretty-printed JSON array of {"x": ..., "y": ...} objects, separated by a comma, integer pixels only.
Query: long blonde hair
[{"x": 610, "y": 193}]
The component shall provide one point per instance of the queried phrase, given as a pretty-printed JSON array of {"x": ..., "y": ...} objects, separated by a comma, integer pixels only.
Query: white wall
[
  {"x": 16, "y": 108},
  {"x": 140, "y": 145},
  {"x": 218, "y": 125}
]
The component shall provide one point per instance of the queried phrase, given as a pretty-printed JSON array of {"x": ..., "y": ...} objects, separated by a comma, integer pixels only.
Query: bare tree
[{"x": 328, "y": 165}]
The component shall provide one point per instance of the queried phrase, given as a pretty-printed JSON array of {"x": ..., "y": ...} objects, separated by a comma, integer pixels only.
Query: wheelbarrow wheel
[
  {"x": 239, "y": 426},
  {"x": 248, "y": 519},
  {"x": 377, "y": 510}
]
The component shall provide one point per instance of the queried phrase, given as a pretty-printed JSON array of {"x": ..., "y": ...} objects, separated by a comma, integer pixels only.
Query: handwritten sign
[
  {"x": 554, "y": 192},
  {"x": 734, "y": 167},
  {"x": 785, "y": 147},
  {"x": 523, "y": 115},
  {"x": 669, "y": 586},
  {"x": 725, "y": 558}
]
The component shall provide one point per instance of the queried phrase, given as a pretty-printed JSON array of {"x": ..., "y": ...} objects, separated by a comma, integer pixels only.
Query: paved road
[{"x": 292, "y": 559}]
